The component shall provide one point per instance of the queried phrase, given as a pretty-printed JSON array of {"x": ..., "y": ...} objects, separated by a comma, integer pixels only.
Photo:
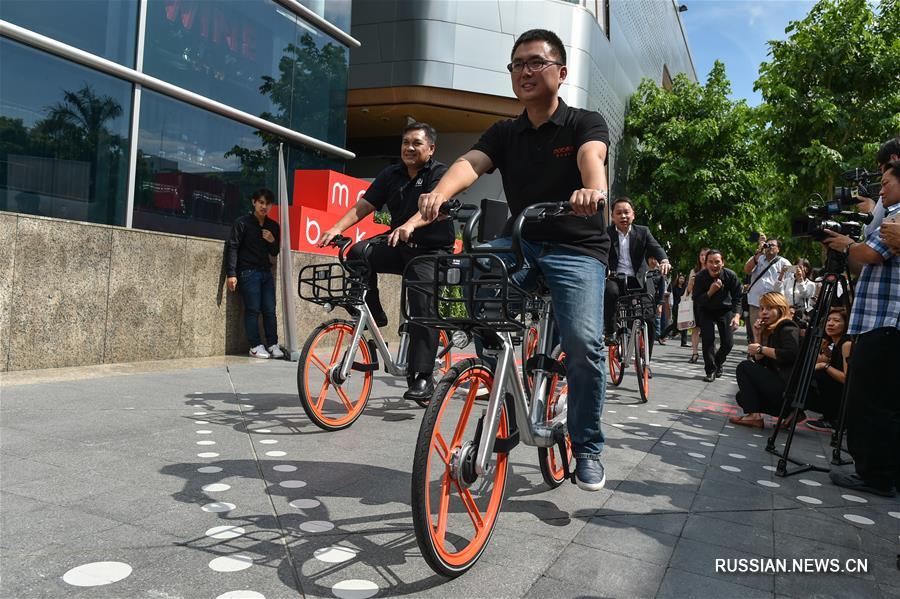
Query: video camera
[
  {"x": 819, "y": 218},
  {"x": 864, "y": 184}
]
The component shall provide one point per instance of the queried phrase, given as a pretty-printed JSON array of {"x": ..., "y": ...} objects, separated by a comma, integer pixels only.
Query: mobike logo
[
  {"x": 315, "y": 222},
  {"x": 563, "y": 151}
]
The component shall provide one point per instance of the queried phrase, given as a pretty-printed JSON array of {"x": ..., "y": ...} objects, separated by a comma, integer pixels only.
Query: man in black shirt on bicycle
[
  {"x": 717, "y": 295},
  {"x": 398, "y": 187},
  {"x": 553, "y": 153}
]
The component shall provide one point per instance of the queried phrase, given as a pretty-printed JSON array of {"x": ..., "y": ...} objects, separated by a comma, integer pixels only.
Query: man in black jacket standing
[
  {"x": 630, "y": 247},
  {"x": 254, "y": 238},
  {"x": 717, "y": 295}
]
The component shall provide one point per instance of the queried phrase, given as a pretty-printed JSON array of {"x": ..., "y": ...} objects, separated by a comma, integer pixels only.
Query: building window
[
  {"x": 606, "y": 22},
  {"x": 107, "y": 28},
  {"x": 64, "y": 136},
  {"x": 254, "y": 55},
  {"x": 196, "y": 169}
]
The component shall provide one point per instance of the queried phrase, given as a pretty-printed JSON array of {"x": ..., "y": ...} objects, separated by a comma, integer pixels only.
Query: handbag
[{"x": 686, "y": 313}]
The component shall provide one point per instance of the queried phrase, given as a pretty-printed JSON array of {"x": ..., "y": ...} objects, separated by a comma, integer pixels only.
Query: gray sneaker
[{"x": 589, "y": 473}]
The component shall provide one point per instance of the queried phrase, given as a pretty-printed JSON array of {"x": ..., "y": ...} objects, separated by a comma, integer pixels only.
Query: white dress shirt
[
  {"x": 766, "y": 283},
  {"x": 625, "y": 266}
]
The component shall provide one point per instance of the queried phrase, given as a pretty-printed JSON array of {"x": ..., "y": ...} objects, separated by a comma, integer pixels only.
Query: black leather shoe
[
  {"x": 719, "y": 372},
  {"x": 421, "y": 387}
]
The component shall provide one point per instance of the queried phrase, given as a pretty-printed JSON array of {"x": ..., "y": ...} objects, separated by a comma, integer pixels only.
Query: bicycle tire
[
  {"x": 447, "y": 552},
  {"x": 642, "y": 369},
  {"x": 346, "y": 405},
  {"x": 616, "y": 360},
  {"x": 548, "y": 459}
]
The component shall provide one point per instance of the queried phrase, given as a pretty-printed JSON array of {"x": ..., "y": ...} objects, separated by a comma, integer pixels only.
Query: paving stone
[
  {"x": 607, "y": 574},
  {"x": 680, "y": 584}
]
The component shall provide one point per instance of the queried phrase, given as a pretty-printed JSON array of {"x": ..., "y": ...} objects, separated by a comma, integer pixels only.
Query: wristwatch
[
  {"x": 847, "y": 249},
  {"x": 759, "y": 349}
]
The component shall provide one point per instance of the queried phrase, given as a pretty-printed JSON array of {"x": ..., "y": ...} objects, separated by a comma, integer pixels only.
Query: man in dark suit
[{"x": 630, "y": 246}]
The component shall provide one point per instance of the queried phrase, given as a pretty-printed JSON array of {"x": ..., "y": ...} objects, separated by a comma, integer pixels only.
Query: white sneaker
[
  {"x": 276, "y": 352},
  {"x": 259, "y": 352}
]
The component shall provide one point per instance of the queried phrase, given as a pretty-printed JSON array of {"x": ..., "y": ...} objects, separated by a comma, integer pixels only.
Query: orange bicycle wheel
[
  {"x": 548, "y": 457},
  {"x": 454, "y": 510},
  {"x": 642, "y": 369},
  {"x": 616, "y": 363},
  {"x": 329, "y": 405}
]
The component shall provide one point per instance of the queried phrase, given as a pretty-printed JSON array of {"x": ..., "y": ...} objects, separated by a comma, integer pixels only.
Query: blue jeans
[
  {"x": 257, "y": 287},
  {"x": 576, "y": 284}
]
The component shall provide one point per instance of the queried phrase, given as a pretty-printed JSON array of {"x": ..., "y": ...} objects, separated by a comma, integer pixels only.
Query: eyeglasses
[{"x": 534, "y": 65}]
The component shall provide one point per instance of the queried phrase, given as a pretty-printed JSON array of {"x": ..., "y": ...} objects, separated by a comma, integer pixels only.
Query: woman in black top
[
  {"x": 762, "y": 378},
  {"x": 831, "y": 372}
]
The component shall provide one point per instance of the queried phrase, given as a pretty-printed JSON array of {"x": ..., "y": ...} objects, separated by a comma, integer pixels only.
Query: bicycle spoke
[
  {"x": 471, "y": 508},
  {"x": 318, "y": 363},
  {"x": 322, "y": 395},
  {"x": 337, "y": 346},
  {"x": 441, "y": 447},
  {"x": 443, "y": 509},
  {"x": 464, "y": 417},
  {"x": 347, "y": 403}
]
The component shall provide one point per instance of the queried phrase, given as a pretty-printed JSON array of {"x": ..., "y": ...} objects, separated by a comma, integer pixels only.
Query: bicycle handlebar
[{"x": 534, "y": 213}]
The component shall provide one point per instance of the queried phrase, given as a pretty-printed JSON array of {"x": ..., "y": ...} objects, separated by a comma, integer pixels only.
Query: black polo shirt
[
  {"x": 394, "y": 188},
  {"x": 541, "y": 165},
  {"x": 246, "y": 249}
]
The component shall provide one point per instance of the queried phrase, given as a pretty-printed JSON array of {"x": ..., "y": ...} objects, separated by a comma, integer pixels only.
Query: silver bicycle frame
[
  {"x": 396, "y": 367},
  {"x": 533, "y": 427}
]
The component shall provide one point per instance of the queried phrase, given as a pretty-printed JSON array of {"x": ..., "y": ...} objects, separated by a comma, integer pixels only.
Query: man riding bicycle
[
  {"x": 398, "y": 187},
  {"x": 553, "y": 153},
  {"x": 631, "y": 246}
]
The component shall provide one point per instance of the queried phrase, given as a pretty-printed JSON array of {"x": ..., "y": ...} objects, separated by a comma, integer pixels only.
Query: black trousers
[
  {"x": 611, "y": 296},
  {"x": 759, "y": 389},
  {"x": 873, "y": 404},
  {"x": 708, "y": 323},
  {"x": 825, "y": 396},
  {"x": 383, "y": 258}
]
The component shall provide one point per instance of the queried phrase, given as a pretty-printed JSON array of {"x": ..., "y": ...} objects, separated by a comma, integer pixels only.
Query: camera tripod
[{"x": 801, "y": 376}]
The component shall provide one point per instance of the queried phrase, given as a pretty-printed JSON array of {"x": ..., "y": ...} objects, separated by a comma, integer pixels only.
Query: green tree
[
  {"x": 831, "y": 94},
  {"x": 695, "y": 171}
]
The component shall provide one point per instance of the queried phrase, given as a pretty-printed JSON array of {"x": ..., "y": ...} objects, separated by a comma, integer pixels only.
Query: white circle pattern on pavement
[
  {"x": 728, "y": 468},
  {"x": 217, "y": 507},
  {"x": 205, "y": 442},
  {"x": 215, "y": 488},
  {"x": 355, "y": 589},
  {"x": 669, "y": 443},
  {"x": 696, "y": 455},
  {"x": 811, "y": 500},
  {"x": 200, "y": 413},
  {"x": 276, "y": 454},
  {"x": 632, "y": 417},
  {"x": 809, "y": 483},
  {"x": 225, "y": 532},
  {"x": 855, "y": 498},
  {"x": 770, "y": 468},
  {"x": 335, "y": 554},
  {"x": 268, "y": 441},
  {"x": 737, "y": 456},
  {"x": 97, "y": 574},
  {"x": 768, "y": 483},
  {"x": 201, "y": 421},
  {"x": 894, "y": 515},
  {"x": 292, "y": 484},
  {"x": 284, "y": 468},
  {"x": 707, "y": 444},
  {"x": 207, "y": 454},
  {"x": 204, "y": 432},
  {"x": 304, "y": 504},
  {"x": 316, "y": 526},
  {"x": 231, "y": 563},
  {"x": 262, "y": 430},
  {"x": 859, "y": 519},
  {"x": 209, "y": 469},
  {"x": 242, "y": 594}
]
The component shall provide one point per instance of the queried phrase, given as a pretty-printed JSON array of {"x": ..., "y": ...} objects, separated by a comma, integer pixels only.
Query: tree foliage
[
  {"x": 696, "y": 173},
  {"x": 831, "y": 94}
]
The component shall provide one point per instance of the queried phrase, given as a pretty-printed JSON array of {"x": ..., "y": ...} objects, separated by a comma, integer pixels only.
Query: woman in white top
[
  {"x": 793, "y": 282},
  {"x": 695, "y": 333}
]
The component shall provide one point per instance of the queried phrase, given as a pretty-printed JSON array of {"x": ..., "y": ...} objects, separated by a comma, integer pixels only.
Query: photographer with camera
[
  {"x": 889, "y": 150},
  {"x": 873, "y": 419},
  {"x": 763, "y": 267},
  {"x": 793, "y": 282}
]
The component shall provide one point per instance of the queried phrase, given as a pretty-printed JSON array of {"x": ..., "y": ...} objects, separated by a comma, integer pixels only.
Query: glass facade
[
  {"x": 107, "y": 28},
  {"x": 196, "y": 170},
  {"x": 64, "y": 138},
  {"x": 254, "y": 55},
  {"x": 65, "y": 129}
]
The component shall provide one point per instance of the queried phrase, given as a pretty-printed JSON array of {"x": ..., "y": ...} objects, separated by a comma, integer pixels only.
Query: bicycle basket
[
  {"x": 636, "y": 305},
  {"x": 464, "y": 291},
  {"x": 329, "y": 284}
]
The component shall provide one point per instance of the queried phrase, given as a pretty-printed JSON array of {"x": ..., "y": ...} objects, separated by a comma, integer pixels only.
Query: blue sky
[{"x": 735, "y": 32}]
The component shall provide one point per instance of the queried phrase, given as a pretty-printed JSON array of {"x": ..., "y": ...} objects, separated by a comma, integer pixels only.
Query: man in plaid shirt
[{"x": 873, "y": 424}]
